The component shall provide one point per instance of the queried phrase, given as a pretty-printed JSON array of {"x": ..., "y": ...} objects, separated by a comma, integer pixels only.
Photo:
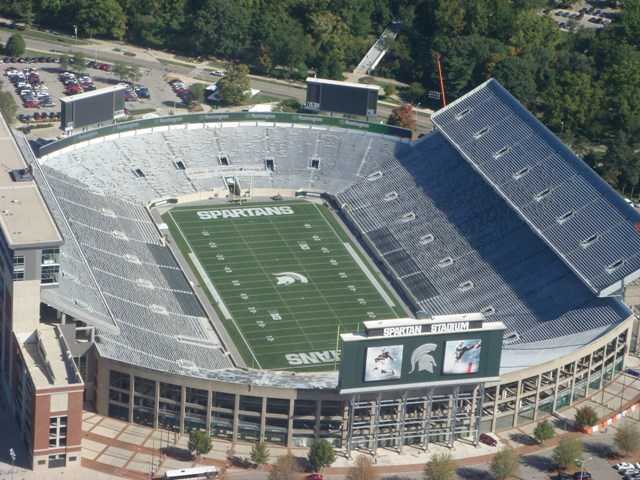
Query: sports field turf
[{"x": 285, "y": 276}]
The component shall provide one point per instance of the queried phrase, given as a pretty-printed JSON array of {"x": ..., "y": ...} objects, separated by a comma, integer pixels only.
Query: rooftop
[
  {"x": 92, "y": 93},
  {"x": 47, "y": 358},
  {"x": 344, "y": 84},
  {"x": 24, "y": 217}
]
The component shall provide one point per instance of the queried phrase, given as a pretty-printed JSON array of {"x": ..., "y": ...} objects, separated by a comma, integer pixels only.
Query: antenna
[{"x": 443, "y": 96}]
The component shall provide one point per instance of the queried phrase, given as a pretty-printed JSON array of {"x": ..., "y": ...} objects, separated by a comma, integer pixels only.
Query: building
[
  {"x": 95, "y": 108},
  {"x": 39, "y": 378},
  {"x": 488, "y": 215}
]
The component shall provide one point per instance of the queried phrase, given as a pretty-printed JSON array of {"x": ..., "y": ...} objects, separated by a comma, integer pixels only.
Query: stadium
[{"x": 219, "y": 264}]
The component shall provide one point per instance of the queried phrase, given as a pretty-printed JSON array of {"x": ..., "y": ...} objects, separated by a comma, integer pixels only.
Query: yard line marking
[
  {"x": 381, "y": 291},
  {"x": 205, "y": 278}
]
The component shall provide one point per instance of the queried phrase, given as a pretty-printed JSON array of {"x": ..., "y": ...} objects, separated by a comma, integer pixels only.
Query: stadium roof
[{"x": 586, "y": 223}]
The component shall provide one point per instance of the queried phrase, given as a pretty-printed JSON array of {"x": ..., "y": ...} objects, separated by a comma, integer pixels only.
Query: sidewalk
[{"x": 132, "y": 451}]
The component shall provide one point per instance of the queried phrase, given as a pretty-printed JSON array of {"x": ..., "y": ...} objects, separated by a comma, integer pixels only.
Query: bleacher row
[
  {"x": 147, "y": 295},
  {"x": 111, "y": 169},
  {"x": 450, "y": 236},
  {"x": 553, "y": 190},
  {"x": 465, "y": 243}
]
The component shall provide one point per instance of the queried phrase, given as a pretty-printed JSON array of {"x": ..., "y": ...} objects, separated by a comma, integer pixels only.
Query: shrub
[
  {"x": 586, "y": 417},
  {"x": 544, "y": 431}
]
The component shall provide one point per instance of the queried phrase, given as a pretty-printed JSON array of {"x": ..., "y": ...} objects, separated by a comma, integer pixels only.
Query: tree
[
  {"x": 197, "y": 92},
  {"x": 362, "y": 470},
  {"x": 135, "y": 74},
  {"x": 234, "y": 85},
  {"x": 121, "y": 71},
  {"x": 65, "y": 60},
  {"x": 321, "y": 454},
  {"x": 440, "y": 467},
  {"x": 8, "y": 107},
  {"x": 79, "y": 62},
  {"x": 403, "y": 116},
  {"x": 585, "y": 417},
  {"x": 505, "y": 464},
  {"x": 220, "y": 27},
  {"x": 627, "y": 439},
  {"x": 260, "y": 453},
  {"x": 415, "y": 93},
  {"x": 15, "y": 45},
  {"x": 566, "y": 453},
  {"x": 286, "y": 468},
  {"x": 390, "y": 90},
  {"x": 544, "y": 431},
  {"x": 199, "y": 442},
  {"x": 101, "y": 17}
]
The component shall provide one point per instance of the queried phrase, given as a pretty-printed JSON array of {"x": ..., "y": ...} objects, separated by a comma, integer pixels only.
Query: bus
[{"x": 195, "y": 473}]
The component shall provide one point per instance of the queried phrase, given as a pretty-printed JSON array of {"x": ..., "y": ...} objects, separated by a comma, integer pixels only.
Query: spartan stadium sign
[
  {"x": 407, "y": 327},
  {"x": 244, "y": 212},
  {"x": 407, "y": 353}
]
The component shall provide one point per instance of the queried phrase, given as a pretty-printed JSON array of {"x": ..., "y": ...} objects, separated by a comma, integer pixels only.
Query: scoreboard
[
  {"x": 342, "y": 97},
  {"x": 93, "y": 108},
  {"x": 408, "y": 353}
]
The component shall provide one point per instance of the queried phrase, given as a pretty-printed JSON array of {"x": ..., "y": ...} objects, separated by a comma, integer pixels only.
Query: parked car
[
  {"x": 31, "y": 103},
  {"x": 142, "y": 92},
  {"x": 314, "y": 476},
  {"x": 488, "y": 440},
  {"x": 582, "y": 476}
]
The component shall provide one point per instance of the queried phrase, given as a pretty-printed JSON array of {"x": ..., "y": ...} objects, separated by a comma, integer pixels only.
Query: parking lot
[
  {"x": 583, "y": 15},
  {"x": 37, "y": 84}
]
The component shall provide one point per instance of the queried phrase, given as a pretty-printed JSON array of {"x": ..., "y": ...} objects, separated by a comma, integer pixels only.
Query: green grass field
[{"x": 284, "y": 283}]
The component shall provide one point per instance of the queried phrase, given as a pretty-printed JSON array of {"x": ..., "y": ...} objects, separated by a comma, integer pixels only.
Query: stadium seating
[{"x": 457, "y": 232}]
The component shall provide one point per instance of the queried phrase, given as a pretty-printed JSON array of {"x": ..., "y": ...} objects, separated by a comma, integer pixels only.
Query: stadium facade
[{"x": 488, "y": 214}]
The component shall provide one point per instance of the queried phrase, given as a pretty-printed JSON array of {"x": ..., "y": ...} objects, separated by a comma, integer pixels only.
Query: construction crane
[{"x": 443, "y": 96}]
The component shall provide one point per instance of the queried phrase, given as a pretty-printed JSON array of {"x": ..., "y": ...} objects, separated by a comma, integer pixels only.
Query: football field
[{"x": 283, "y": 277}]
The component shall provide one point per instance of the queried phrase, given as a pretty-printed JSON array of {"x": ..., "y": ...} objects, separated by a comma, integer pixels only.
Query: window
[
  {"x": 119, "y": 380},
  {"x": 445, "y": 262},
  {"x": 57, "y": 432},
  {"x": 138, "y": 173},
  {"x": 57, "y": 461},
  {"x": 463, "y": 113},
  {"x": 480, "y": 133},
  {"x": 223, "y": 160},
  {"x": 18, "y": 267},
  {"x": 315, "y": 163},
  {"x": 426, "y": 239},
  {"x": 565, "y": 216},
  {"x": 501, "y": 152},
  {"x": 51, "y": 256},
  {"x": 269, "y": 164},
  {"x": 542, "y": 194},
  {"x": 614, "y": 266},
  {"x": 465, "y": 286},
  {"x": 589, "y": 241},
  {"x": 521, "y": 173},
  {"x": 49, "y": 274},
  {"x": 197, "y": 396},
  {"x": 179, "y": 165}
]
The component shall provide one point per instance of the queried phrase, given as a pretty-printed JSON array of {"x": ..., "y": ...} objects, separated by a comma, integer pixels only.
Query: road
[{"x": 277, "y": 89}]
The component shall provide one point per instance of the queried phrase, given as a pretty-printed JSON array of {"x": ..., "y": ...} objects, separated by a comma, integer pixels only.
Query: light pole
[
  {"x": 12, "y": 454},
  {"x": 581, "y": 463}
]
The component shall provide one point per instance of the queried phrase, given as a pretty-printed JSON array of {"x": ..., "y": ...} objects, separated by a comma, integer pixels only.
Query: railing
[{"x": 292, "y": 118}]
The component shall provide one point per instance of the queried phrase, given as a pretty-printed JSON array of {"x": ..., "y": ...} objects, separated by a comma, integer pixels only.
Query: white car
[{"x": 623, "y": 466}]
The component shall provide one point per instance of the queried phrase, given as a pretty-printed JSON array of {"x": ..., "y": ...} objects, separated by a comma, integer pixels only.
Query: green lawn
[{"x": 287, "y": 282}]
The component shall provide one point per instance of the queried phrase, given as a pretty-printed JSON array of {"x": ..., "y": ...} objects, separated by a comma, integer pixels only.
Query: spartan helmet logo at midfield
[
  {"x": 289, "y": 278},
  {"x": 421, "y": 359}
]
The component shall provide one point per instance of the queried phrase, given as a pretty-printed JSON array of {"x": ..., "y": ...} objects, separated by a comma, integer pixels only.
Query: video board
[
  {"x": 342, "y": 97},
  {"x": 408, "y": 353},
  {"x": 92, "y": 108}
]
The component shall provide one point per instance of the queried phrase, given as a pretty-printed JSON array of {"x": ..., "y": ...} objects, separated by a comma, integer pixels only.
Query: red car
[
  {"x": 32, "y": 104},
  {"x": 105, "y": 67},
  {"x": 314, "y": 476}
]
